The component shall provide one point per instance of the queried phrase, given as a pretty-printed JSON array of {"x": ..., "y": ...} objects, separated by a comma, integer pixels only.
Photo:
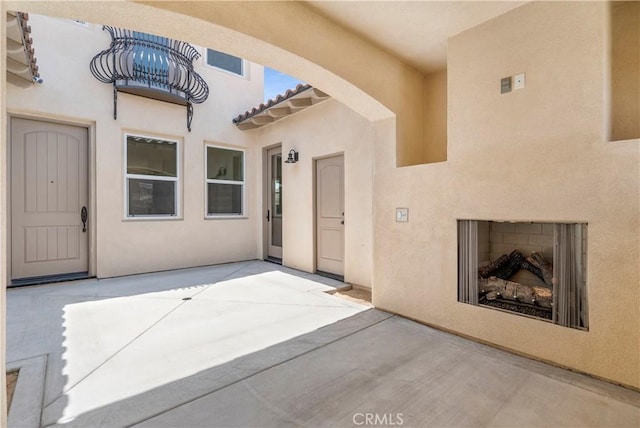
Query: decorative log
[
  {"x": 507, "y": 270},
  {"x": 487, "y": 271},
  {"x": 497, "y": 287},
  {"x": 531, "y": 268},
  {"x": 545, "y": 267}
]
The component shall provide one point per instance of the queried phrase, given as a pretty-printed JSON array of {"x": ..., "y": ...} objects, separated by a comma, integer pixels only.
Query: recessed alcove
[{"x": 624, "y": 70}]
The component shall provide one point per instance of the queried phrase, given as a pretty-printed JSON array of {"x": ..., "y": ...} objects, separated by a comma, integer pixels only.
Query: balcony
[{"x": 152, "y": 67}]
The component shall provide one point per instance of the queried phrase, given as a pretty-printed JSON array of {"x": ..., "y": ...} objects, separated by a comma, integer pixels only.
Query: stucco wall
[
  {"x": 537, "y": 154},
  {"x": 125, "y": 246},
  {"x": 323, "y": 130}
]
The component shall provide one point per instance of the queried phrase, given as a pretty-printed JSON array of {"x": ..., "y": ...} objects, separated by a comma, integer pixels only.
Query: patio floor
[{"x": 253, "y": 344}]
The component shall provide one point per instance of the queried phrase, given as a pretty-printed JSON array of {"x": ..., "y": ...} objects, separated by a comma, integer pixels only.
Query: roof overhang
[
  {"x": 21, "y": 61},
  {"x": 291, "y": 102}
]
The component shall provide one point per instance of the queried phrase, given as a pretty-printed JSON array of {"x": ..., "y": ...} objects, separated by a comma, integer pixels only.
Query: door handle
[
  {"x": 83, "y": 216},
  {"x": 268, "y": 215}
]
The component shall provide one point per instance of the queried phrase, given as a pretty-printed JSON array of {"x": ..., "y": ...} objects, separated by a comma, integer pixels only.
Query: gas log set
[{"x": 496, "y": 289}]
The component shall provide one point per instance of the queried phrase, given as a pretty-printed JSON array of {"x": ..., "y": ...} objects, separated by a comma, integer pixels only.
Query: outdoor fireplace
[{"x": 527, "y": 268}]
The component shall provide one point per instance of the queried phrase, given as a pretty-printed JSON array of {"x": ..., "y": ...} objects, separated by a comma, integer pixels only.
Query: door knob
[{"x": 83, "y": 216}]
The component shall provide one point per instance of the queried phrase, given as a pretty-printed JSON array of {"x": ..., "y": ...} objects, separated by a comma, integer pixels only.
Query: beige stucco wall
[
  {"x": 537, "y": 154},
  {"x": 320, "y": 131},
  {"x": 125, "y": 246}
]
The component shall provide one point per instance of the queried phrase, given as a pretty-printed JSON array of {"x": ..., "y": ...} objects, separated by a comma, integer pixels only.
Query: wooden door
[
  {"x": 48, "y": 192},
  {"x": 330, "y": 215}
]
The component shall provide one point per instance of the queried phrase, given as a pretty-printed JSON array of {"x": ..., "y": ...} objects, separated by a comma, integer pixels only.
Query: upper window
[
  {"x": 225, "y": 182},
  {"x": 151, "y": 177},
  {"x": 226, "y": 62}
]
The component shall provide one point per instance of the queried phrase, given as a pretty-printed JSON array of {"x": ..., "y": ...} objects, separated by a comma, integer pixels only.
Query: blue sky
[{"x": 276, "y": 83}]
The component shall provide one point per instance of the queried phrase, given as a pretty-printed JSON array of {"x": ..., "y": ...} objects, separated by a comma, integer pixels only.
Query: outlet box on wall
[
  {"x": 402, "y": 215},
  {"x": 518, "y": 81}
]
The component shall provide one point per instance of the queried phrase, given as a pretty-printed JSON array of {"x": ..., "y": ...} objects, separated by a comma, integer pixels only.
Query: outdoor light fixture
[{"x": 292, "y": 157}]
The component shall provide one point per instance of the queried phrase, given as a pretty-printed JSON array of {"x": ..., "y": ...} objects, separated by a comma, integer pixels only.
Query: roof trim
[
  {"x": 22, "y": 68},
  {"x": 284, "y": 105}
]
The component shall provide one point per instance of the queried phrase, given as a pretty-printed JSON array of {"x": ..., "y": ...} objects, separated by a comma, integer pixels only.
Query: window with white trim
[
  {"x": 152, "y": 171},
  {"x": 226, "y": 62},
  {"x": 224, "y": 182}
]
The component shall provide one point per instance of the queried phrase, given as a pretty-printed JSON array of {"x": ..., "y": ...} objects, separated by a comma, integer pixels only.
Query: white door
[
  {"x": 48, "y": 192},
  {"x": 330, "y": 215},
  {"x": 274, "y": 208}
]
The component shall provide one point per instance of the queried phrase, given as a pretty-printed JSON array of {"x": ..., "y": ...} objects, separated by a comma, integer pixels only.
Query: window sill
[
  {"x": 226, "y": 217},
  {"x": 153, "y": 218}
]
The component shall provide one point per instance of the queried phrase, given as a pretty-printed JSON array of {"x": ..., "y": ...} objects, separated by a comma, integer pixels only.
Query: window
[
  {"x": 225, "y": 182},
  {"x": 151, "y": 177},
  {"x": 150, "y": 60},
  {"x": 226, "y": 62}
]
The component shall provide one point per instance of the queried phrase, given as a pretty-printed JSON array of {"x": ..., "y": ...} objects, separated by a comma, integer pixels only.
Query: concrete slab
[
  {"x": 111, "y": 340},
  {"x": 256, "y": 344},
  {"x": 397, "y": 372}
]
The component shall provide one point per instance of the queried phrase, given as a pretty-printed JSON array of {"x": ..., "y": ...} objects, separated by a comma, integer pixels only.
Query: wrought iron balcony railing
[{"x": 150, "y": 66}]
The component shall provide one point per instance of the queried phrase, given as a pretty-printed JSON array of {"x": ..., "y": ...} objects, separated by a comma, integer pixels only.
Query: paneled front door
[
  {"x": 330, "y": 215},
  {"x": 49, "y": 189}
]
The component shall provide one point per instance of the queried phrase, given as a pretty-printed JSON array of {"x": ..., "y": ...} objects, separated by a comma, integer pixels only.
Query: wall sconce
[{"x": 292, "y": 157}]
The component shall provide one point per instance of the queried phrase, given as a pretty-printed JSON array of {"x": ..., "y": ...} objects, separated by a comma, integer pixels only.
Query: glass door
[{"x": 274, "y": 210}]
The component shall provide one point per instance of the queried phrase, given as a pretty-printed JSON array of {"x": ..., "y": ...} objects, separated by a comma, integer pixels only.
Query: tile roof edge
[{"x": 272, "y": 102}]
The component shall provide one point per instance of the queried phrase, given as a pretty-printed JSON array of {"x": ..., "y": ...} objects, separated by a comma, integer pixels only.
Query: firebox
[{"x": 534, "y": 269}]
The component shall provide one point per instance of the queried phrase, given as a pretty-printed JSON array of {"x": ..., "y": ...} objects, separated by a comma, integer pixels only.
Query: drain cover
[{"x": 186, "y": 298}]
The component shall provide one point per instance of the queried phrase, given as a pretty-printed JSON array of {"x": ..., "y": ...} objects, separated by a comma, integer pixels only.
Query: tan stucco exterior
[
  {"x": 538, "y": 154},
  {"x": 323, "y": 130},
  {"x": 121, "y": 245}
]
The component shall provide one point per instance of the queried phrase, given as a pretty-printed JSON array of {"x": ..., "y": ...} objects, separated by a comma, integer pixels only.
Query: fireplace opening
[{"x": 533, "y": 269}]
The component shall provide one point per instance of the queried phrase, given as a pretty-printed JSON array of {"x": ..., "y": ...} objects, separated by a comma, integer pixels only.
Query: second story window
[
  {"x": 150, "y": 66},
  {"x": 226, "y": 62}
]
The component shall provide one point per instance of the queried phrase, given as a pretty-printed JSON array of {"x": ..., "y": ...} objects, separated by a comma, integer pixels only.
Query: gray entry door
[
  {"x": 274, "y": 210},
  {"x": 48, "y": 192},
  {"x": 330, "y": 215}
]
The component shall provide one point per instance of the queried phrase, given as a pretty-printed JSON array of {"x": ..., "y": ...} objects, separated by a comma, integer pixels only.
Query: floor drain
[{"x": 186, "y": 298}]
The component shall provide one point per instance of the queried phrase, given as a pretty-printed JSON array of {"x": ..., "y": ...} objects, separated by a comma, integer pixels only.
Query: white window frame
[
  {"x": 176, "y": 179},
  {"x": 208, "y": 181},
  {"x": 245, "y": 64}
]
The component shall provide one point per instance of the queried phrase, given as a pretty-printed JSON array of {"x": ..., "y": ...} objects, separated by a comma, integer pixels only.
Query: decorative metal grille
[{"x": 150, "y": 66}]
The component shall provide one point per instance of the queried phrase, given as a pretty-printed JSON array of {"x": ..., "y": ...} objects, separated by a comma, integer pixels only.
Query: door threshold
[
  {"x": 275, "y": 260},
  {"x": 48, "y": 279},
  {"x": 330, "y": 275}
]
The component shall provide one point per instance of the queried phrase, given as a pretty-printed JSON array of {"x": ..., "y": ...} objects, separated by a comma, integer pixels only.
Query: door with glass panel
[{"x": 274, "y": 201}]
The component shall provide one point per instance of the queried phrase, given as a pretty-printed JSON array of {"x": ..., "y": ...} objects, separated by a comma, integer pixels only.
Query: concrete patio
[{"x": 253, "y": 344}]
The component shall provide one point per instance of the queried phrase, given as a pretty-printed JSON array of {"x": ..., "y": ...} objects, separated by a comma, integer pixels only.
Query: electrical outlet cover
[
  {"x": 402, "y": 215},
  {"x": 518, "y": 81}
]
